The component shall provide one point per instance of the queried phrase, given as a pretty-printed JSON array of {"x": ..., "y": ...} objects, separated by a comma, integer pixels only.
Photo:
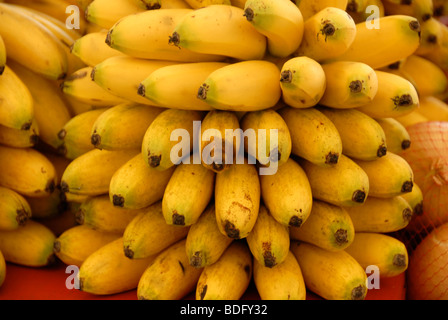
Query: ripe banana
[
  {"x": 329, "y": 227},
  {"x": 384, "y": 251},
  {"x": 15, "y": 210},
  {"x": 389, "y": 175},
  {"x": 103, "y": 14},
  {"x": 440, "y": 50},
  {"x": 2, "y": 55},
  {"x": 395, "y": 97},
  {"x": 213, "y": 283},
  {"x": 326, "y": 147},
  {"x": 90, "y": 173},
  {"x": 440, "y": 8},
  {"x": 135, "y": 185},
  {"x": 219, "y": 30},
  {"x": 175, "y": 4},
  {"x": 156, "y": 27},
  {"x": 397, "y": 137},
  {"x": 187, "y": 194},
  {"x": 356, "y": 6},
  {"x": 108, "y": 271},
  {"x": 433, "y": 108},
  {"x": 176, "y": 86},
  {"x": 234, "y": 87},
  {"x": 169, "y": 277},
  {"x": 287, "y": 194},
  {"x": 148, "y": 4},
  {"x": 27, "y": 171},
  {"x": 284, "y": 282},
  {"x": 411, "y": 118},
  {"x": 362, "y": 137},
  {"x": 331, "y": 275},
  {"x": 281, "y": 22},
  {"x": 269, "y": 240},
  {"x": 30, "y": 245},
  {"x": 205, "y": 243},
  {"x": 148, "y": 233},
  {"x": 369, "y": 8},
  {"x": 348, "y": 84},
  {"x": 327, "y": 34},
  {"x": 423, "y": 10},
  {"x": 309, "y": 8},
  {"x": 415, "y": 201},
  {"x": 19, "y": 138},
  {"x": 431, "y": 36},
  {"x": 75, "y": 244},
  {"x": 196, "y": 4}
]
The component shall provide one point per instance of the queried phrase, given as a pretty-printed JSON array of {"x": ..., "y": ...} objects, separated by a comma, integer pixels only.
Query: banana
[
  {"x": 269, "y": 240},
  {"x": 309, "y": 8},
  {"x": 82, "y": 4},
  {"x": 30, "y": 245},
  {"x": 327, "y": 34},
  {"x": 17, "y": 104},
  {"x": 284, "y": 282},
  {"x": 302, "y": 82},
  {"x": 176, "y": 86},
  {"x": 2, "y": 55},
  {"x": 237, "y": 200},
  {"x": 196, "y": 4},
  {"x": 411, "y": 118},
  {"x": 174, "y": 4},
  {"x": 159, "y": 142},
  {"x": 149, "y": 4},
  {"x": 76, "y": 107},
  {"x": 389, "y": 175},
  {"x": 287, "y": 194},
  {"x": 213, "y": 283},
  {"x": 397, "y": 37},
  {"x": 348, "y": 84},
  {"x": 122, "y": 126},
  {"x": 75, "y": 134},
  {"x": 356, "y": 6},
  {"x": 415, "y": 201},
  {"x": 326, "y": 147},
  {"x": 159, "y": 25},
  {"x": 75, "y": 244},
  {"x": 103, "y": 14},
  {"x": 440, "y": 8},
  {"x": 395, "y": 97},
  {"x": 169, "y": 277},
  {"x": 331, "y": 275},
  {"x": 20, "y": 138},
  {"x": 148, "y": 233},
  {"x": 433, "y": 108},
  {"x": 281, "y": 22},
  {"x": 15, "y": 210},
  {"x": 431, "y": 34},
  {"x": 204, "y": 242},
  {"x": 362, "y": 137},
  {"x": 90, "y": 173},
  {"x": 48, "y": 206},
  {"x": 439, "y": 52},
  {"x": 108, "y": 271},
  {"x": 368, "y": 10},
  {"x": 423, "y": 10},
  {"x": 384, "y": 251},
  {"x": 219, "y": 30},
  {"x": 135, "y": 185},
  {"x": 234, "y": 87},
  {"x": 329, "y": 227},
  {"x": 27, "y": 171},
  {"x": 397, "y": 137},
  {"x": 2, "y": 269}
]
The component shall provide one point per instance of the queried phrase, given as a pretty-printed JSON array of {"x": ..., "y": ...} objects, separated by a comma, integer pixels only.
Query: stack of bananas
[{"x": 87, "y": 119}]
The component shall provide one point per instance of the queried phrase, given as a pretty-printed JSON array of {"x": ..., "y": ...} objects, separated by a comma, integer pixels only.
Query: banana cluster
[{"x": 95, "y": 175}]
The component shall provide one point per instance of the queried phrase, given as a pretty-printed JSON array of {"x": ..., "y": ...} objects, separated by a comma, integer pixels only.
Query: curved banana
[
  {"x": 309, "y": 8},
  {"x": 433, "y": 108},
  {"x": 20, "y": 138},
  {"x": 15, "y": 210},
  {"x": 2, "y": 55},
  {"x": 431, "y": 36},
  {"x": 105, "y": 14},
  {"x": 397, "y": 137}
]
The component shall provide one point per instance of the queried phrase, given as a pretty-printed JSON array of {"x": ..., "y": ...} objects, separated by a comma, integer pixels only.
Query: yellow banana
[
  {"x": 149, "y": 4},
  {"x": 396, "y": 37},
  {"x": 385, "y": 252},
  {"x": 174, "y": 4},
  {"x": 157, "y": 26},
  {"x": 27, "y": 171},
  {"x": 159, "y": 146},
  {"x": 169, "y": 277},
  {"x": 397, "y": 137},
  {"x": 348, "y": 84},
  {"x": 204, "y": 242},
  {"x": 362, "y": 137},
  {"x": 329, "y": 227},
  {"x": 75, "y": 244},
  {"x": 122, "y": 126},
  {"x": 176, "y": 86},
  {"x": 433, "y": 108},
  {"x": 17, "y": 104},
  {"x": 2, "y": 55},
  {"x": 269, "y": 240},
  {"x": 280, "y": 21},
  {"x": 396, "y": 97},
  {"x": 20, "y": 138},
  {"x": 15, "y": 210},
  {"x": 310, "y": 7},
  {"x": 213, "y": 283},
  {"x": 326, "y": 147},
  {"x": 423, "y": 10},
  {"x": 196, "y": 4},
  {"x": 219, "y": 30},
  {"x": 90, "y": 173},
  {"x": 415, "y": 201},
  {"x": 284, "y": 282},
  {"x": 108, "y": 271},
  {"x": 105, "y": 14},
  {"x": 327, "y": 34},
  {"x": 30, "y": 245},
  {"x": 439, "y": 52},
  {"x": 287, "y": 194},
  {"x": 411, "y": 118},
  {"x": 148, "y": 233},
  {"x": 234, "y": 87},
  {"x": 331, "y": 275},
  {"x": 302, "y": 81},
  {"x": 389, "y": 175},
  {"x": 2, "y": 269},
  {"x": 431, "y": 35},
  {"x": 237, "y": 200},
  {"x": 367, "y": 11},
  {"x": 135, "y": 185}
]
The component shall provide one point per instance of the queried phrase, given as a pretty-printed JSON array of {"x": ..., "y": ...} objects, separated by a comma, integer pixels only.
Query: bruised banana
[
  {"x": 397, "y": 137},
  {"x": 103, "y": 14},
  {"x": 15, "y": 210}
]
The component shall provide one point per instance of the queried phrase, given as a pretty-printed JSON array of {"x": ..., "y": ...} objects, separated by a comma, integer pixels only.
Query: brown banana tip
[
  {"x": 405, "y": 144},
  {"x": 328, "y": 29},
  {"x": 128, "y": 252},
  {"x": 426, "y": 17},
  {"x": 178, "y": 219},
  {"x": 61, "y": 134},
  {"x": 2, "y": 69},
  {"x": 64, "y": 186},
  {"x": 62, "y": 150},
  {"x": 174, "y": 39},
  {"x": 403, "y": 101},
  {"x": 92, "y": 74},
  {"x": 218, "y": 167},
  {"x": 51, "y": 186},
  {"x": 407, "y": 186},
  {"x": 432, "y": 38},
  {"x": 407, "y": 214},
  {"x": 109, "y": 37},
  {"x": 118, "y": 200},
  {"x": 399, "y": 260},
  {"x": 22, "y": 216},
  {"x": 26, "y": 126},
  {"x": 332, "y": 158},
  {"x": 352, "y": 6},
  {"x": 95, "y": 140},
  {"x": 438, "y": 11},
  {"x": 415, "y": 26},
  {"x": 230, "y": 230},
  {"x": 249, "y": 14},
  {"x": 269, "y": 259},
  {"x": 341, "y": 237},
  {"x": 202, "y": 92},
  {"x": 418, "y": 209},
  {"x": 34, "y": 139},
  {"x": 382, "y": 151},
  {"x": 196, "y": 259},
  {"x": 359, "y": 196},
  {"x": 286, "y": 76},
  {"x": 203, "y": 292},
  {"x": 295, "y": 222},
  {"x": 141, "y": 90},
  {"x": 79, "y": 216},
  {"x": 154, "y": 160},
  {"x": 56, "y": 246},
  {"x": 359, "y": 292},
  {"x": 355, "y": 86}
]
